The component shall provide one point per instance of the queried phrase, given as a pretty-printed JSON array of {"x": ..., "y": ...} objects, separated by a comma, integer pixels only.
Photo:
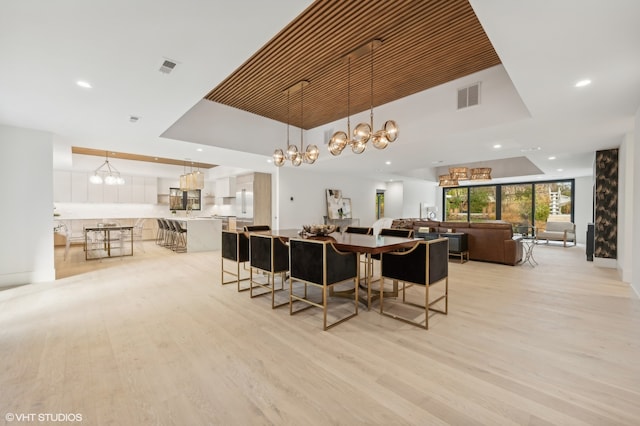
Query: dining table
[{"x": 361, "y": 244}]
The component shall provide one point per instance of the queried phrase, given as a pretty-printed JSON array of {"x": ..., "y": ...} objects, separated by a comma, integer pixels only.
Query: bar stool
[
  {"x": 180, "y": 237},
  {"x": 160, "y": 232}
]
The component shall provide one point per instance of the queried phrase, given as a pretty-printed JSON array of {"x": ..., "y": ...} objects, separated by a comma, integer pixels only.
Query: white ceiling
[{"x": 527, "y": 103}]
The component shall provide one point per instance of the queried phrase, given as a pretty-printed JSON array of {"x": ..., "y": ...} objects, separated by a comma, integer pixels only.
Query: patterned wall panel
[{"x": 606, "y": 204}]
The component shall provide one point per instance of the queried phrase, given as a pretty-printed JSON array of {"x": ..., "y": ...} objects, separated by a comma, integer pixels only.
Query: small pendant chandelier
[
  {"x": 297, "y": 157},
  {"x": 106, "y": 174},
  {"x": 363, "y": 132}
]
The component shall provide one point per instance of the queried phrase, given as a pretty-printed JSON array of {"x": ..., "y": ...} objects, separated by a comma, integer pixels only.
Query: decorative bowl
[{"x": 319, "y": 230}]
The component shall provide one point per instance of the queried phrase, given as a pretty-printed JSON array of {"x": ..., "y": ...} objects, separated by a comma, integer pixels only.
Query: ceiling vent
[
  {"x": 469, "y": 96},
  {"x": 133, "y": 119},
  {"x": 167, "y": 67}
]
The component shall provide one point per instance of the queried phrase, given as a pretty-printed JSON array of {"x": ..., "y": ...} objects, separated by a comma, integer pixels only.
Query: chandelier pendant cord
[
  {"x": 371, "y": 114},
  {"x": 301, "y": 119},
  {"x": 349, "y": 98}
]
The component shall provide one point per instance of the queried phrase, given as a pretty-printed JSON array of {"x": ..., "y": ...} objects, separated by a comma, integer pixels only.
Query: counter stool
[{"x": 179, "y": 238}]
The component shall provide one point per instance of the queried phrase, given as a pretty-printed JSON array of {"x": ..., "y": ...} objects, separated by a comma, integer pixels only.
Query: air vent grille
[
  {"x": 469, "y": 96},
  {"x": 167, "y": 67}
]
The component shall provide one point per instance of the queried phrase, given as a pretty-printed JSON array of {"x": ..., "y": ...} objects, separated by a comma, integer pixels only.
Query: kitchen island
[{"x": 203, "y": 234}]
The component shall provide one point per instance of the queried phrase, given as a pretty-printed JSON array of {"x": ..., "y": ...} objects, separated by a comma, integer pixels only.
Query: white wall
[
  {"x": 634, "y": 231},
  {"x": 26, "y": 169},
  {"x": 307, "y": 187},
  {"x": 583, "y": 209},
  {"x": 417, "y": 192},
  {"x": 393, "y": 200},
  {"x": 308, "y": 190},
  {"x": 625, "y": 207}
]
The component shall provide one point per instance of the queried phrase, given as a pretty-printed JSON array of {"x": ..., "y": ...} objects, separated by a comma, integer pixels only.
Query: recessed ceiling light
[
  {"x": 496, "y": 146},
  {"x": 84, "y": 84},
  {"x": 560, "y": 170},
  {"x": 387, "y": 162},
  {"x": 269, "y": 160},
  {"x": 583, "y": 83},
  {"x": 199, "y": 149},
  {"x": 552, "y": 157}
]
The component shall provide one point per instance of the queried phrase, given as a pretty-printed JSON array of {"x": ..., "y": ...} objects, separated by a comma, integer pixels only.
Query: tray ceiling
[{"x": 424, "y": 44}]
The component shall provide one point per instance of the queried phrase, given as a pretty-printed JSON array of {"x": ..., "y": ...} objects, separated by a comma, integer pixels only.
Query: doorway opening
[{"x": 379, "y": 203}]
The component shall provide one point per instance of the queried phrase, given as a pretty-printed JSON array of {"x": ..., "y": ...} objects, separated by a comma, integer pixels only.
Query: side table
[
  {"x": 458, "y": 245},
  {"x": 528, "y": 244}
]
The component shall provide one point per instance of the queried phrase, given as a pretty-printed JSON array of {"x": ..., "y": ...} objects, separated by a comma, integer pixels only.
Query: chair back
[
  {"x": 358, "y": 230},
  {"x": 319, "y": 262},
  {"x": 424, "y": 264},
  {"x": 393, "y": 232},
  {"x": 268, "y": 253},
  {"x": 255, "y": 228},
  {"x": 235, "y": 246}
]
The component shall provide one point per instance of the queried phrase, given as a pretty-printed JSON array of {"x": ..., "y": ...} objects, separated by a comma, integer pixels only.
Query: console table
[{"x": 458, "y": 245}]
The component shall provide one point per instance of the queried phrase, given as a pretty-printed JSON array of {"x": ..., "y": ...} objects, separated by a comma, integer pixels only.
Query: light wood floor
[{"x": 156, "y": 339}]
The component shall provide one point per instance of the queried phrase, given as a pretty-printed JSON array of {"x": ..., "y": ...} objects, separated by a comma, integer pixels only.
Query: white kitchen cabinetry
[
  {"x": 110, "y": 193},
  {"x": 137, "y": 189},
  {"x": 79, "y": 187},
  {"x": 150, "y": 190},
  {"x": 125, "y": 192},
  {"x": 226, "y": 187},
  {"x": 61, "y": 186}
]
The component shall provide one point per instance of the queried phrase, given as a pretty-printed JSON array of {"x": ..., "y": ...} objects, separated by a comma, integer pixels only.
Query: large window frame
[{"x": 464, "y": 192}]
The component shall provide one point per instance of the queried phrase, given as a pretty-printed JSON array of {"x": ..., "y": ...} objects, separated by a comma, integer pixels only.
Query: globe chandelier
[
  {"x": 363, "y": 132},
  {"x": 297, "y": 157},
  {"x": 106, "y": 174}
]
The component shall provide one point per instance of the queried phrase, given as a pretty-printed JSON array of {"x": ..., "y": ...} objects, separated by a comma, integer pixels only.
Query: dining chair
[
  {"x": 359, "y": 230},
  {"x": 364, "y": 231},
  {"x": 319, "y": 264},
  {"x": 252, "y": 228},
  {"x": 136, "y": 234},
  {"x": 269, "y": 255},
  {"x": 235, "y": 248},
  {"x": 391, "y": 232},
  {"x": 424, "y": 265}
]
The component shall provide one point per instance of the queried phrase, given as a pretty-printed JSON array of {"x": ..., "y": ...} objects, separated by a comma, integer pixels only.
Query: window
[
  {"x": 522, "y": 204},
  {"x": 455, "y": 204},
  {"x": 482, "y": 203}
]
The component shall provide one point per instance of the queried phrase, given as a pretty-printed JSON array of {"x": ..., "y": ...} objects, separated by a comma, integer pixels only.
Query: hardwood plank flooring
[{"x": 156, "y": 339}]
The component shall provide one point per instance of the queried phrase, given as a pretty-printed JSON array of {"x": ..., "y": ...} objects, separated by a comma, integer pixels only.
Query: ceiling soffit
[
  {"x": 137, "y": 157},
  {"x": 424, "y": 44}
]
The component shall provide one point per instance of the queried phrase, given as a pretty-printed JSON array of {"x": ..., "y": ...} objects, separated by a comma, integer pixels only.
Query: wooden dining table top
[{"x": 359, "y": 243}]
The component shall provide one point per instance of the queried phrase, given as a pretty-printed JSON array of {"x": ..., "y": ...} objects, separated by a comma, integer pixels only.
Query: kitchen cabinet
[
  {"x": 150, "y": 190},
  {"x": 253, "y": 198},
  {"x": 125, "y": 192},
  {"x": 61, "y": 186},
  {"x": 226, "y": 187},
  {"x": 79, "y": 187}
]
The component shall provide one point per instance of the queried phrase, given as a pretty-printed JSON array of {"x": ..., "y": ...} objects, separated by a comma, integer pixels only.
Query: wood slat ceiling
[
  {"x": 136, "y": 157},
  {"x": 425, "y": 43}
]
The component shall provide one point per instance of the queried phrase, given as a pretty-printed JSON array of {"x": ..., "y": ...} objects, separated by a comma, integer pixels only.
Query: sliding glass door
[{"x": 522, "y": 204}]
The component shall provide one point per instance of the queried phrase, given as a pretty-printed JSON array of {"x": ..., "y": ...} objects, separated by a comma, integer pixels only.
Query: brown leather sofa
[{"x": 490, "y": 241}]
